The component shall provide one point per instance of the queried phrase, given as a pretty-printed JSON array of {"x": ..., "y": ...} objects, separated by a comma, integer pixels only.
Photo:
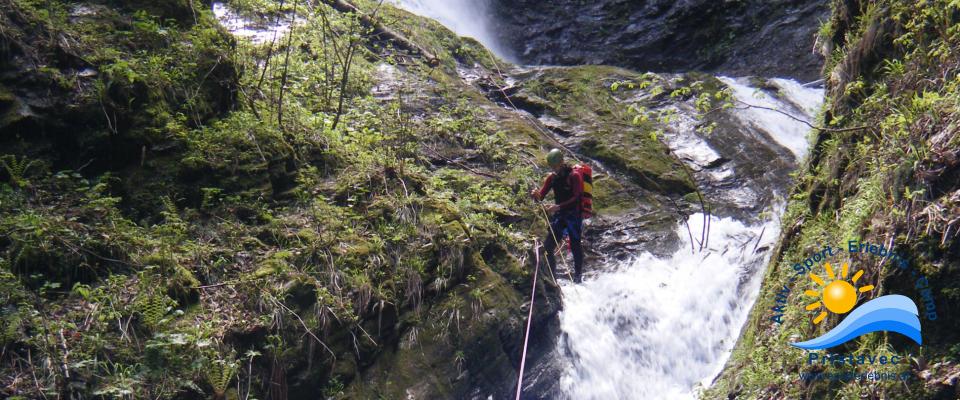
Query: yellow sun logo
[{"x": 839, "y": 296}]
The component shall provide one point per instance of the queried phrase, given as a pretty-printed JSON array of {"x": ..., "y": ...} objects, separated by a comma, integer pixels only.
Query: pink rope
[{"x": 526, "y": 337}]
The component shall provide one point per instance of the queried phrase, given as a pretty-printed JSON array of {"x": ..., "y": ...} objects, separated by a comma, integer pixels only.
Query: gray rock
[{"x": 733, "y": 37}]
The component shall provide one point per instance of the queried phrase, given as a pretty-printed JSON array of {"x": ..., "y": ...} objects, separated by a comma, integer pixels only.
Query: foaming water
[
  {"x": 655, "y": 328},
  {"x": 465, "y": 17},
  {"x": 662, "y": 328},
  {"x": 808, "y": 99},
  {"x": 246, "y": 29},
  {"x": 799, "y": 102}
]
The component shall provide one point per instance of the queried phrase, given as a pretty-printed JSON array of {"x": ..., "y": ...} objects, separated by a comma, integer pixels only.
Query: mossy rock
[
  {"x": 10, "y": 109},
  {"x": 448, "y": 361},
  {"x": 610, "y": 197},
  {"x": 582, "y": 97},
  {"x": 181, "y": 284},
  {"x": 579, "y": 95},
  {"x": 501, "y": 261},
  {"x": 644, "y": 161},
  {"x": 276, "y": 264},
  {"x": 694, "y": 198}
]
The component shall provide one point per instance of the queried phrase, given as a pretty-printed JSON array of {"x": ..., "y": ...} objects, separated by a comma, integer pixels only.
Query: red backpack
[{"x": 586, "y": 200}]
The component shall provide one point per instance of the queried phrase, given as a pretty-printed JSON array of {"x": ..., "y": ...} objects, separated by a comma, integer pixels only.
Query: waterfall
[
  {"x": 244, "y": 28},
  {"x": 656, "y": 327},
  {"x": 661, "y": 328},
  {"x": 796, "y": 101},
  {"x": 468, "y": 18}
]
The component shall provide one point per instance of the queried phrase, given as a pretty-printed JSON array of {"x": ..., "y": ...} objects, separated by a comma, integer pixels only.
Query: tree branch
[{"x": 812, "y": 126}]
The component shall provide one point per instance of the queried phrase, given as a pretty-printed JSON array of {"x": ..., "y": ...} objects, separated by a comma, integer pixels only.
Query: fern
[
  {"x": 9, "y": 327},
  {"x": 153, "y": 308},
  {"x": 173, "y": 227},
  {"x": 170, "y": 208},
  {"x": 152, "y": 304},
  {"x": 17, "y": 169},
  {"x": 219, "y": 374}
]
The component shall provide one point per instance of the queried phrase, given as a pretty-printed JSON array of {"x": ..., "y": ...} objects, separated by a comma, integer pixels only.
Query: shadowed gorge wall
[{"x": 741, "y": 37}]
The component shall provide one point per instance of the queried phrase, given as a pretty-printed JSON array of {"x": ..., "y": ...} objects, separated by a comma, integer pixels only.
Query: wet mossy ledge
[
  {"x": 178, "y": 218},
  {"x": 190, "y": 215},
  {"x": 885, "y": 172},
  {"x": 185, "y": 213},
  {"x": 581, "y": 97},
  {"x": 618, "y": 117}
]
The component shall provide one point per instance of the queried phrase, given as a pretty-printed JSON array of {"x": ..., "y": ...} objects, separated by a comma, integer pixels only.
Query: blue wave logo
[{"x": 892, "y": 313}]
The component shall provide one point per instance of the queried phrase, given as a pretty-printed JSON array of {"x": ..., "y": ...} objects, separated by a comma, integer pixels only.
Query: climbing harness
[{"x": 553, "y": 235}]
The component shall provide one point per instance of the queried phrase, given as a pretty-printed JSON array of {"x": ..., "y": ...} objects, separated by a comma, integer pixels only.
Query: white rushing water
[
  {"x": 246, "y": 29},
  {"x": 468, "y": 18},
  {"x": 808, "y": 99},
  {"x": 799, "y": 102},
  {"x": 654, "y": 328},
  {"x": 657, "y": 327},
  {"x": 661, "y": 328}
]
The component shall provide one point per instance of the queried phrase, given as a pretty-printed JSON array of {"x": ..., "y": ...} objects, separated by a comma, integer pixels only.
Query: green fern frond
[
  {"x": 153, "y": 310},
  {"x": 10, "y": 327},
  {"x": 17, "y": 168},
  {"x": 151, "y": 303},
  {"x": 219, "y": 374}
]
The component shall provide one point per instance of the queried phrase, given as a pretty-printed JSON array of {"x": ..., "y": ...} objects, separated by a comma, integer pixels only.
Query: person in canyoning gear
[{"x": 566, "y": 183}]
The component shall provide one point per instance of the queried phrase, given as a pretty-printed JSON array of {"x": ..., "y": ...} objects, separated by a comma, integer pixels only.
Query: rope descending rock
[{"x": 526, "y": 336}]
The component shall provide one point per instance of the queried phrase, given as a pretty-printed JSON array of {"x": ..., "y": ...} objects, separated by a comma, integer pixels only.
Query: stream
[{"x": 663, "y": 326}]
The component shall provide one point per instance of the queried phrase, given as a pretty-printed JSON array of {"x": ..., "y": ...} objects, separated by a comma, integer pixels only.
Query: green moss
[
  {"x": 578, "y": 93},
  {"x": 9, "y": 108},
  {"x": 6, "y": 97},
  {"x": 864, "y": 184},
  {"x": 642, "y": 159},
  {"x": 455, "y": 328},
  {"x": 610, "y": 197},
  {"x": 581, "y": 97}
]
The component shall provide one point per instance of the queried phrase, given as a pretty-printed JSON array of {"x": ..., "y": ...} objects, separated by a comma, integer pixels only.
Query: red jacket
[{"x": 575, "y": 180}]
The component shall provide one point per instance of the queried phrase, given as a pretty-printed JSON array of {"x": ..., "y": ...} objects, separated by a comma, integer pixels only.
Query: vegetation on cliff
[
  {"x": 184, "y": 215},
  {"x": 340, "y": 210},
  {"x": 885, "y": 171}
]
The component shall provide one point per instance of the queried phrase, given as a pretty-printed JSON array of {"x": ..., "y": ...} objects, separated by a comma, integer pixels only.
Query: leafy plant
[
  {"x": 16, "y": 168},
  {"x": 219, "y": 373}
]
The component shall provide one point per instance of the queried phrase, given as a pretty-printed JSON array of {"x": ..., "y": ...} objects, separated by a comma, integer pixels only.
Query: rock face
[
  {"x": 68, "y": 98},
  {"x": 850, "y": 188},
  {"x": 738, "y": 37},
  {"x": 424, "y": 294}
]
